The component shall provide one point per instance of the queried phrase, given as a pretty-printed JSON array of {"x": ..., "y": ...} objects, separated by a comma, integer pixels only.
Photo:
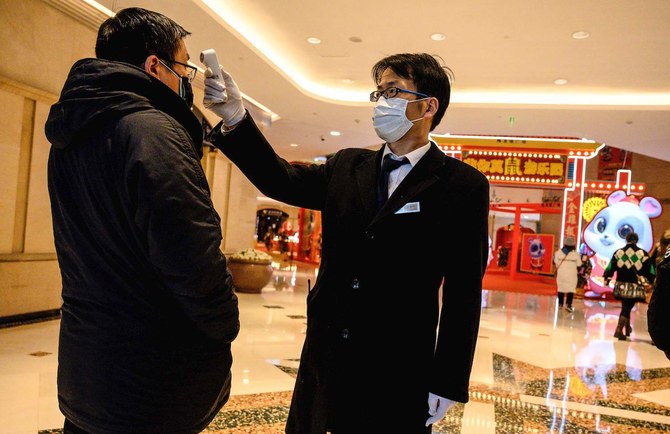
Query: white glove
[
  {"x": 437, "y": 408},
  {"x": 228, "y": 107}
]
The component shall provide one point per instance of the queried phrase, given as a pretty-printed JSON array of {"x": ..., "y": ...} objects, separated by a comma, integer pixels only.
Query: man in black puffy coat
[
  {"x": 658, "y": 314},
  {"x": 149, "y": 311}
]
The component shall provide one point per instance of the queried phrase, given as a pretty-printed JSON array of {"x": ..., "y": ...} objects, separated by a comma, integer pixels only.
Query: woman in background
[
  {"x": 567, "y": 260},
  {"x": 628, "y": 262}
]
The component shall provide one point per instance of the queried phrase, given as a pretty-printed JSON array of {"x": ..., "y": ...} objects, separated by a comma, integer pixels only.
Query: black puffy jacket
[
  {"x": 658, "y": 313},
  {"x": 148, "y": 311}
]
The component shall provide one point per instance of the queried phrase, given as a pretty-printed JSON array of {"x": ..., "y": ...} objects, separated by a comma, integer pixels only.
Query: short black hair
[
  {"x": 632, "y": 237},
  {"x": 426, "y": 72},
  {"x": 133, "y": 34}
]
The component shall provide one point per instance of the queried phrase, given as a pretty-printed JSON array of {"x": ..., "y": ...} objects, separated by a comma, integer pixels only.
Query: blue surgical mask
[
  {"x": 389, "y": 119},
  {"x": 185, "y": 88},
  {"x": 186, "y": 91}
]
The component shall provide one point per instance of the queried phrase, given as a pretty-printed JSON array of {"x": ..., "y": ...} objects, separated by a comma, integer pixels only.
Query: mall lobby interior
[{"x": 538, "y": 368}]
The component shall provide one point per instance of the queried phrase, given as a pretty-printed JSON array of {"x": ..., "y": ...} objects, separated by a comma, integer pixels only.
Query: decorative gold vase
[{"x": 250, "y": 276}]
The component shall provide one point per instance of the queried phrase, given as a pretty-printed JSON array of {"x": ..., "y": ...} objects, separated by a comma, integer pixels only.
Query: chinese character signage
[
  {"x": 571, "y": 224},
  {"x": 520, "y": 167},
  {"x": 610, "y": 160},
  {"x": 537, "y": 253}
]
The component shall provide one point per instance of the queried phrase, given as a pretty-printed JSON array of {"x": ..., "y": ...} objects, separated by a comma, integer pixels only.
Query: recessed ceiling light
[
  {"x": 314, "y": 40},
  {"x": 293, "y": 145},
  {"x": 581, "y": 34},
  {"x": 438, "y": 36},
  {"x": 335, "y": 133},
  {"x": 560, "y": 81},
  {"x": 347, "y": 81}
]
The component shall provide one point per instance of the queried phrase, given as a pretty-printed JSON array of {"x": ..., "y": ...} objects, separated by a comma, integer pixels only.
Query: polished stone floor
[{"x": 537, "y": 369}]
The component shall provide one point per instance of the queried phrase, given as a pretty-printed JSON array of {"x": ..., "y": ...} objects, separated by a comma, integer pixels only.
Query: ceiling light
[
  {"x": 347, "y": 81},
  {"x": 438, "y": 36},
  {"x": 560, "y": 81},
  {"x": 314, "y": 40},
  {"x": 335, "y": 133},
  {"x": 314, "y": 88},
  {"x": 293, "y": 145},
  {"x": 581, "y": 35}
]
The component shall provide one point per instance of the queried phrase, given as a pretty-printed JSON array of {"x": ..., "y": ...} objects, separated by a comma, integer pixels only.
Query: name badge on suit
[{"x": 409, "y": 207}]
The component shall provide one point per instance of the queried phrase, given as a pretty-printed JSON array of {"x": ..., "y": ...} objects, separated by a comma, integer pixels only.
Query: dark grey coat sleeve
[{"x": 658, "y": 313}]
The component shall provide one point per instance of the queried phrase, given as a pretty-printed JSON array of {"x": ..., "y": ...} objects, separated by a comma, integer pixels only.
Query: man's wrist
[{"x": 226, "y": 129}]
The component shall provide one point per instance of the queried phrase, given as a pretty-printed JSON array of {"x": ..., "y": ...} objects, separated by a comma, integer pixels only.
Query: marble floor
[{"x": 537, "y": 369}]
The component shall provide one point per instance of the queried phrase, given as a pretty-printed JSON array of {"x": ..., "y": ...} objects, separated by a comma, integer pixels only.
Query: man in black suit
[{"x": 375, "y": 307}]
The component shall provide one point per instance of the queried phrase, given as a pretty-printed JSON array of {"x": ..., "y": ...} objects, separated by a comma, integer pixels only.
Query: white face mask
[{"x": 389, "y": 119}]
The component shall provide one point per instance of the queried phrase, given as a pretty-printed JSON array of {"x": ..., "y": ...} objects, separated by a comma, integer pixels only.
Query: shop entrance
[{"x": 269, "y": 222}]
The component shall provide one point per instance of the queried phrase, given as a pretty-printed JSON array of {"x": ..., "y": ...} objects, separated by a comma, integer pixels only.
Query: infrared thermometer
[{"x": 209, "y": 59}]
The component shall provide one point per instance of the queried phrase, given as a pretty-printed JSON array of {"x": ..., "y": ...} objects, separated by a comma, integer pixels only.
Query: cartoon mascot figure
[
  {"x": 607, "y": 231},
  {"x": 536, "y": 251}
]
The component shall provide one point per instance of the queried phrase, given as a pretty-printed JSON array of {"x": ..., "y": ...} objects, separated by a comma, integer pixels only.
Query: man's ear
[
  {"x": 433, "y": 104},
  {"x": 151, "y": 65}
]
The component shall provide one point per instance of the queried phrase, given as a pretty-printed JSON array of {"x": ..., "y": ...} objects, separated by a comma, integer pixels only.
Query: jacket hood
[{"x": 99, "y": 91}]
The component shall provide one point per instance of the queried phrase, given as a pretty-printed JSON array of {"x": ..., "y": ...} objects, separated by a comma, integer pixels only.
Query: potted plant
[{"x": 251, "y": 270}]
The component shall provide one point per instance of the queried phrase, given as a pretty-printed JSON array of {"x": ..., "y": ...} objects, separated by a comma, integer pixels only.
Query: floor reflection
[{"x": 537, "y": 369}]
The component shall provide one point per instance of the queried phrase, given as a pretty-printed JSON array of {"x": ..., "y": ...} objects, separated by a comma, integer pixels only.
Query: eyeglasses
[
  {"x": 190, "y": 70},
  {"x": 391, "y": 92}
]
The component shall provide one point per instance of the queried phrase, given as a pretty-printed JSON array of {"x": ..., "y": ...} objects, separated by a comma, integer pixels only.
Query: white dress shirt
[{"x": 396, "y": 176}]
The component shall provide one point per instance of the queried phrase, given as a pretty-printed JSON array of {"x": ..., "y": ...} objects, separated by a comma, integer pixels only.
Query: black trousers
[
  {"x": 626, "y": 306},
  {"x": 571, "y": 295}
]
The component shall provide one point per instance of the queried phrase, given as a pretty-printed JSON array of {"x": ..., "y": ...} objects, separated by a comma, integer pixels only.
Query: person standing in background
[
  {"x": 376, "y": 303},
  {"x": 149, "y": 311},
  {"x": 628, "y": 263},
  {"x": 584, "y": 271},
  {"x": 567, "y": 260}
]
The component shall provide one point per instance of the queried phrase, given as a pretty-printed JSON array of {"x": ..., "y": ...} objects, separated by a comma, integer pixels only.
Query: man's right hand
[{"x": 229, "y": 108}]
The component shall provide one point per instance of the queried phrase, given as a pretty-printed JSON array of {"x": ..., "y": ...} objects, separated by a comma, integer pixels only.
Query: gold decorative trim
[{"x": 28, "y": 257}]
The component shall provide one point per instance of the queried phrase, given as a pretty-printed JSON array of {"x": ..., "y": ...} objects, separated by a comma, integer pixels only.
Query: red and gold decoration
[
  {"x": 536, "y": 253},
  {"x": 610, "y": 160},
  {"x": 520, "y": 167}
]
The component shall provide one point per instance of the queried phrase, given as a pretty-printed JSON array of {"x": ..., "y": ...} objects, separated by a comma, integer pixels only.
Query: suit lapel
[{"x": 366, "y": 180}]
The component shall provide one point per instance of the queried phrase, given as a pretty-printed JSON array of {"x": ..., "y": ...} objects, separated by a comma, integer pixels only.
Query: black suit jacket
[{"x": 375, "y": 306}]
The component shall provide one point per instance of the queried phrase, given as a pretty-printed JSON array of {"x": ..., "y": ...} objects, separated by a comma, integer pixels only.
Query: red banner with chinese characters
[
  {"x": 612, "y": 159},
  {"x": 573, "y": 215},
  {"x": 536, "y": 253},
  {"x": 520, "y": 167}
]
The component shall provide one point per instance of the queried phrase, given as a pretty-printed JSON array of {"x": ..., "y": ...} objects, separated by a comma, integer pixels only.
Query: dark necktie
[{"x": 388, "y": 165}]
